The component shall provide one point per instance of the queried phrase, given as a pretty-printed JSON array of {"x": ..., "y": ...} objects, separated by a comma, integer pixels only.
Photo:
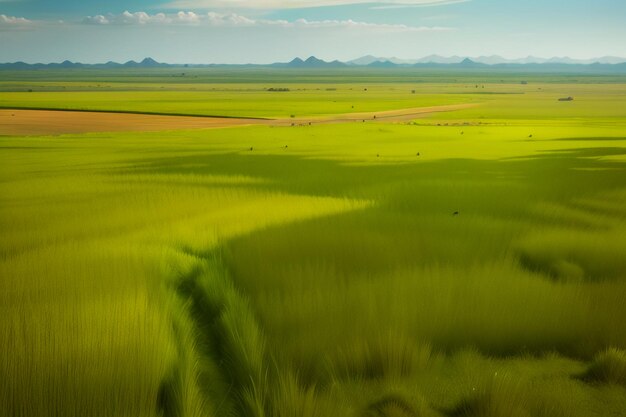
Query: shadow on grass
[
  {"x": 416, "y": 202},
  {"x": 297, "y": 174}
]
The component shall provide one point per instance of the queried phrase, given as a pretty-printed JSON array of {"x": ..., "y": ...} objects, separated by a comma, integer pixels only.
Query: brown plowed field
[
  {"x": 53, "y": 122},
  {"x": 56, "y": 122}
]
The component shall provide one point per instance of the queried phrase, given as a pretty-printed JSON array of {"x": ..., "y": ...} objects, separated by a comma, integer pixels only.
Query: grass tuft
[{"x": 608, "y": 366}]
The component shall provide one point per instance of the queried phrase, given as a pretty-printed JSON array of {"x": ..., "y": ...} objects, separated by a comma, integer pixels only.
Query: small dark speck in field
[
  {"x": 456, "y": 213},
  {"x": 462, "y": 133},
  {"x": 530, "y": 136},
  {"x": 251, "y": 148},
  {"x": 377, "y": 155},
  {"x": 418, "y": 154},
  {"x": 286, "y": 146}
]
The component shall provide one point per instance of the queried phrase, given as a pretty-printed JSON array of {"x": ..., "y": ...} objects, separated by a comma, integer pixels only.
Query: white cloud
[
  {"x": 237, "y": 20},
  {"x": 230, "y": 19},
  {"x": 13, "y": 21},
  {"x": 141, "y": 18},
  {"x": 187, "y": 17},
  {"x": 96, "y": 20},
  {"x": 289, "y": 4},
  {"x": 180, "y": 18}
]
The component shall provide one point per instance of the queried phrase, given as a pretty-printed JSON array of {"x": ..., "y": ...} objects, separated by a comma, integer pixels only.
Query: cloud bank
[
  {"x": 142, "y": 18},
  {"x": 14, "y": 21},
  {"x": 237, "y": 20}
]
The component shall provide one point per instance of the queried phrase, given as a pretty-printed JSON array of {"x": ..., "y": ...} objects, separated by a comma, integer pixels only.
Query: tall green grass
[{"x": 181, "y": 274}]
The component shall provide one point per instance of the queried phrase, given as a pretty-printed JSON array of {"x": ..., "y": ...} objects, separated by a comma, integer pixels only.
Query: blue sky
[{"x": 262, "y": 31}]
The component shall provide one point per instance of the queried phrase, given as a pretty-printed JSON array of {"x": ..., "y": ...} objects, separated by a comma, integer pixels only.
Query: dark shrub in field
[{"x": 608, "y": 366}]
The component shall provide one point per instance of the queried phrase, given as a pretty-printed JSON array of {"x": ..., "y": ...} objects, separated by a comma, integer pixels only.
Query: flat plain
[{"x": 355, "y": 243}]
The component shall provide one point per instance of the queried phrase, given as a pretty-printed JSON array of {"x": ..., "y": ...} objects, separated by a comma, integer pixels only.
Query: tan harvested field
[{"x": 56, "y": 122}]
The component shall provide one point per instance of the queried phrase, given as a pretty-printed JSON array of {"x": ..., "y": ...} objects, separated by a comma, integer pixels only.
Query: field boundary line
[{"x": 212, "y": 116}]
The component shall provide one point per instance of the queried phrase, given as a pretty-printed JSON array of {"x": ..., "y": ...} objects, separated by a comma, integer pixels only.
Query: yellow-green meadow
[{"x": 469, "y": 262}]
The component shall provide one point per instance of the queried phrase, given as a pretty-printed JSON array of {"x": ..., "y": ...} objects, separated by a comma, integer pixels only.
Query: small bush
[{"x": 608, "y": 366}]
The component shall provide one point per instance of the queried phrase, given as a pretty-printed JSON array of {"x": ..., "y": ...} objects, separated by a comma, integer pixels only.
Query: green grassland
[
  {"x": 324, "y": 272},
  {"x": 244, "y": 93}
]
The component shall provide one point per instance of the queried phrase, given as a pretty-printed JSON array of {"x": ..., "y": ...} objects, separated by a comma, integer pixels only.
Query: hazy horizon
[{"x": 138, "y": 59}]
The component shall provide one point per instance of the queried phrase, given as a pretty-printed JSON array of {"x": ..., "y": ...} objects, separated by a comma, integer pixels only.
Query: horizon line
[{"x": 328, "y": 60}]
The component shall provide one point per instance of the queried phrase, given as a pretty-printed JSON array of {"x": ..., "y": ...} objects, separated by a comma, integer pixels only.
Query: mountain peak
[
  {"x": 382, "y": 64},
  {"x": 364, "y": 60},
  {"x": 149, "y": 61},
  {"x": 312, "y": 62}
]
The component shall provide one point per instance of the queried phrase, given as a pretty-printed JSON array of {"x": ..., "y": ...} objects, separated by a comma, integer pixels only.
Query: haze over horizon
[{"x": 255, "y": 31}]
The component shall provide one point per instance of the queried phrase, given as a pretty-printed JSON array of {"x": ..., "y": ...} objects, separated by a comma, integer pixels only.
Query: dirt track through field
[
  {"x": 55, "y": 122},
  {"x": 400, "y": 115}
]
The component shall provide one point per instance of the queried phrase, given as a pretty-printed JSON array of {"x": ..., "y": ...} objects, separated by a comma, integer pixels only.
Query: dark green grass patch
[{"x": 608, "y": 366}]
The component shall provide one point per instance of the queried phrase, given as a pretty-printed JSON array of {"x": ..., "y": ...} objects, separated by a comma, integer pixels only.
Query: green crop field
[{"x": 465, "y": 263}]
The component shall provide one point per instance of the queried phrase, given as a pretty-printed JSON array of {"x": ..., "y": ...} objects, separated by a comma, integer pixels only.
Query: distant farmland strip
[
  {"x": 21, "y": 121},
  {"x": 45, "y": 122}
]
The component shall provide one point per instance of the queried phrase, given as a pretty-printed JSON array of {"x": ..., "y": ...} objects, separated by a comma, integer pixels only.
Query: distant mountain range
[
  {"x": 146, "y": 63},
  {"x": 530, "y": 64},
  {"x": 488, "y": 60},
  {"x": 311, "y": 62}
]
